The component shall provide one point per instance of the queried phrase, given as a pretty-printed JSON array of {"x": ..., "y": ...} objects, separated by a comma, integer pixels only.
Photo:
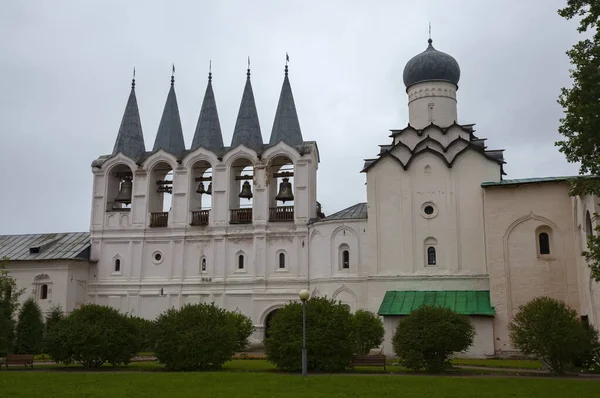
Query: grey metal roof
[
  {"x": 534, "y": 180},
  {"x": 286, "y": 126},
  {"x": 356, "y": 212},
  {"x": 208, "y": 130},
  {"x": 170, "y": 134},
  {"x": 431, "y": 65},
  {"x": 130, "y": 139},
  {"x": 247, "y": 127},
  {"x": 58, "y": 246}
]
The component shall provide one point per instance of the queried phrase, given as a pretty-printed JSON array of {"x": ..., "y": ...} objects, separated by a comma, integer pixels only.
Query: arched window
[
  {"x": 345, "y": 259},
  {"x": 203, "y": 264},
  {"x": 241, "y": 261},
  {"x": 544, "y": 243},
  {"x": 44, "y": 292},
  {"x": 589, "y": 230},
  {"x": 431, "y": 257},
  {"x": 281, "y": 260},
  {"x": 117, "y": 265}
]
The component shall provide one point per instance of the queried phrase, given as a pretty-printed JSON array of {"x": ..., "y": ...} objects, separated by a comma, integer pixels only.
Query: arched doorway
[{"x": 268, "y": 321}]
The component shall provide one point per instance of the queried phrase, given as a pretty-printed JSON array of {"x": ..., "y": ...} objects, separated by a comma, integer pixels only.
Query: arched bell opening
[
  {"x": 281, "y": 189},
  {"x": 201, "y": 192},
  {"x": 159, "y": 197},
  {"x": 120, "y": 188},
  {"x": 241, "y": 191}
]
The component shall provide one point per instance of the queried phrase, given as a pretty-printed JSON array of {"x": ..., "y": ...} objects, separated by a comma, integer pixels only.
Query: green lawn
[
  {"x": 500, "y": 363},
  {"x": 32, "y": 384}
]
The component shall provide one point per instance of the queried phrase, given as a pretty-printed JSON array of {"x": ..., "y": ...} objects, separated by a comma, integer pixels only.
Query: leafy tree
[
  {"x": 580, "y": 125},
  {"x": 428, "y": 336},
  {"x": 367, "y": 331},
  {"x": 328, "y": 336},
  {"x": 195, "y": 337},
  {"x": 244, "y": 328},
  {"x": 92, "y": 335},
  {"x": 30, "y": 329},
  {"x": 145, "y": 332},
  {"x": 549, "y": 329},
  {"x": 9, "y": 303},
  {"x": 53, "y": 317}
]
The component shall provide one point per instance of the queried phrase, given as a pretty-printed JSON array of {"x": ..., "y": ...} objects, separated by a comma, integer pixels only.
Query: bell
[
  {"x": 209, "y": 190},
  {"x": 124, "y": 195},
  {"x": 201, "y": 189},
  {"x": 285, "y": 191},
  {"x": 246, "y": 191}
]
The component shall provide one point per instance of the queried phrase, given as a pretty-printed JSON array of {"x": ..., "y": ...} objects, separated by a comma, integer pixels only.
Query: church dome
[{"x": 431, "y": 65}]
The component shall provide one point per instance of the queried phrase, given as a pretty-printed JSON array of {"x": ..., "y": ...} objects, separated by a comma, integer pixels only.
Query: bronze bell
[
  {"x": 246, "y": 191},
  {"x": 124, "y": 195},
  {"x": 209, "y": 190},
  {"x": 285, "y": 191},
  {"x": 201, "y": 189}
]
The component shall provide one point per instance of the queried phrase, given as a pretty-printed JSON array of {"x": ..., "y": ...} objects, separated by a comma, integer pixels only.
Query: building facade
[{"x": 240, "y": 225}]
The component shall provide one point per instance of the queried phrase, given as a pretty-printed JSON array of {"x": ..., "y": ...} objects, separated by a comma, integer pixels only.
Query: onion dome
[{"x": 431, "y": 65}]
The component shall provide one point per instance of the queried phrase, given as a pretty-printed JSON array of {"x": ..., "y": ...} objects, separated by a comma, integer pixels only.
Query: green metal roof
[
  {"x": 467, "y": 302},
  {"x": 521, "y": 181}
]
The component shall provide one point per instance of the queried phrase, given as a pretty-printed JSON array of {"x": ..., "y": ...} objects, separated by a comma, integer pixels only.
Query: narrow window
[
  {"x": 589, "y": 230},
  {"x": 345, "y": 259},
  {"x": 203, "y": 265},
  {"x": 117, "y": 265},
  {"x": 544, "y": 242},
  {"x": 431, "y": 260},
  {"x": 241, "y": 261},
  {"x": 44, "y": 292},
  {"x": 281, "y": 260}
]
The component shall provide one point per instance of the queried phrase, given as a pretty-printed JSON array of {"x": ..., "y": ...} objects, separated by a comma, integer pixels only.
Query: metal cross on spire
[
  {"x": 173, "y": 75},
  {"x": 133, "y": 79}
]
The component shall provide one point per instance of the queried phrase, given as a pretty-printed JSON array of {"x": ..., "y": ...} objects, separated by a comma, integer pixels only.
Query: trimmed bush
[
  {"x": 91, "y": 336},
  {"x": 145, "y": 332},
  {"x": 328, "y": 336},
  {"x": 551, "y": 330},
  {"x": 428, "y": 337},
  {"x": 195, "y": 337},
  {"x": 30, "y": 329},
  {"x": 367, "y": 331},
  {"x": 9, "y": 304},
  {"x": 244, "y": 328}
]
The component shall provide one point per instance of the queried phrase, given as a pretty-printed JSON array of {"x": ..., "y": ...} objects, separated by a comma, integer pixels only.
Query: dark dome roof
[{"x": 431, "y": 65}]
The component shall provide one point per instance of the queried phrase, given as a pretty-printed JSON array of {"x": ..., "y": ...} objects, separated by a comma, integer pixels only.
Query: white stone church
[{"x": 241, "y": 225}]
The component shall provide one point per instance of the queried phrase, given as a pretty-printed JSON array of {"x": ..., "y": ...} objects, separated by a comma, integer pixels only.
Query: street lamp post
[{"x": 304, "y": 295}]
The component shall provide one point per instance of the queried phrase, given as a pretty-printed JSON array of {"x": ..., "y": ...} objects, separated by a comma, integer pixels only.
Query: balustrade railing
[
  {"x": 159, "y": 219},
  {"x": 241, "y": 216},
  {"x": 281, "y": 213},
  {"x": 200, "y": 217}
]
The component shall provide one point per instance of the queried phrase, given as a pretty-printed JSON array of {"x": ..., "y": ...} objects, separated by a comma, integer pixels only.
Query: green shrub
[
  {"x": 53, "y": 317},
  {"x": 427, "y": 338},
  {"x": 9, "y": 304},
  {"x": 30, "y": 329},
  {"x": 145, "y": 332},
  {"x": 195, "y": 337},
  {"x": 91, "y": 336},
  {"x": 328, "y": 336},
  {"x": 367, "y": 331},
  {"x": 244, "y": 328},
  {"x": 552, "y": 331}
]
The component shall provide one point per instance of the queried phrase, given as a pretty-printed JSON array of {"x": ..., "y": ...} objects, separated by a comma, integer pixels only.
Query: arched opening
[
  {"x": 241, "y": 191},
  {"x": 118, "y": 265},
  {"x": 344, "y": 256},
  {"x": 430, "y": 252},
  {"x": 589, "y": 229},
  {"x": 281, "y": 260},
  {"x": 431, "y": 256},
  {"x": 544, "y": 243},
  {"x": 281, "y": 189},
  {"x": 268, "y": 321},
  {"x": 119, "y": 188},
  {"x": 201, "y": 192},
  {"x": 203, "y": 264},
  {"x": 241, "y": 261},
  {"x": 44, "y": 292},
  {"x": 159, "y": 197}
]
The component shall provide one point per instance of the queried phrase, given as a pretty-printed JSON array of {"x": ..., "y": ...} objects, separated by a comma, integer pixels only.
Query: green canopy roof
[{"x": 467, "y": 302}]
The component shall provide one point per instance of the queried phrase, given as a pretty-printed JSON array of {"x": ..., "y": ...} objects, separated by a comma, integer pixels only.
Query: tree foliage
[
  {"x": 580, "y": 125},
  {"x": 367, "y": 331},
  {"x": 145, "y": 332},
  {"x": 9, "y": 304},
  {"x": 53, "y": 317},
  {"x": 30, "y": 329},
  {"x": 549, "y": 329},
  {"x": 244, "y": 329},
  {"x": 195, "y": 337},
  {"x": 428, "y": 336},
  {"x": 92, "y": 335},
  {"x": 328, "y": 336}
]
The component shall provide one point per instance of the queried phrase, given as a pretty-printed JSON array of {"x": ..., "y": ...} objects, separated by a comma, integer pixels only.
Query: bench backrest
[
  {"x": 368, "y": 358},
  {"x": 18, "y": 358}
]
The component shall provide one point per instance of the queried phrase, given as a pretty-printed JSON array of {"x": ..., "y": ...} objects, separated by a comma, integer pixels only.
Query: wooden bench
[
  {"x": 15, "y": 359},
  {"x": 368, "y": 360}
]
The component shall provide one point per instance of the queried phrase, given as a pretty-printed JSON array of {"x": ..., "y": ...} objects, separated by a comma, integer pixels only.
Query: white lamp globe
[{"x": 304, "y": 295}]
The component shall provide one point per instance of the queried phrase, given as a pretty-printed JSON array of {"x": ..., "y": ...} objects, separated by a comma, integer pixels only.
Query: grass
[
  {"x": 500, "y": 363},
  {"x": 229, "y": 384}
]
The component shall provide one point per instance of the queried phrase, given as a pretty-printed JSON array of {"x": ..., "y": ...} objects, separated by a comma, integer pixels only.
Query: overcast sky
[{"x": 65, "y": 70}]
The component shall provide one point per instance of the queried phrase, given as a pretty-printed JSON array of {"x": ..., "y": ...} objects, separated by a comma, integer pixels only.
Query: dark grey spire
[
  {"x": 130, "y": 140},
  {"x": 208, "y": 130},
  {"x": 286, "y": 126},
  {"x": 247, "y": 128},
  {"x": 170, "y": 134}
]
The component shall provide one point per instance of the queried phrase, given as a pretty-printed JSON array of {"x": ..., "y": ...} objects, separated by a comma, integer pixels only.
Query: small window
[
  {"x": 544, "y": 242},
  {"x": 281, "y": 260},
  {"x": 241, "y": 261},
  {"x": 345, "y": 259},
  {"x": 157, "y": 256},
  {"x": 203, "y": 266},
  {"x": 589, "y": 230},
  {"x": 117, "y": 265},
  {"x": 431, "y": 257},
  {"x": 43, "y": 292}
]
